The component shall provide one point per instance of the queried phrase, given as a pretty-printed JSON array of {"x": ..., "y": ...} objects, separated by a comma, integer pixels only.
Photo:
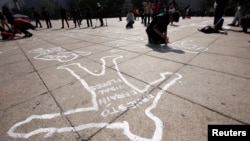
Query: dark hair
[{"x": 175, "y": 16}]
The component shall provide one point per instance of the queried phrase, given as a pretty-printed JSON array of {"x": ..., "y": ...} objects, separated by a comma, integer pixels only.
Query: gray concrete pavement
[{"x": 109, "y": 84}]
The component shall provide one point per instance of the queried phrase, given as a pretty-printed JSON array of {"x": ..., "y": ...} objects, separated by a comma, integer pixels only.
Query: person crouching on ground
[
  {"x": 23, "y": 25},
  {"x": 157, "y": 29},
  {"x": 130, "y": 19}
]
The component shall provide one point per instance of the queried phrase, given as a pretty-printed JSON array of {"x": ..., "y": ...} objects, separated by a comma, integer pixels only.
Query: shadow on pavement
[{"x": 164, "y": 48}]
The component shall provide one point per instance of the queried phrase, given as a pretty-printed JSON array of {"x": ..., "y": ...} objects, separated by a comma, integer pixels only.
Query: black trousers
[
  {"x": 130, "y": 24},
  {"x": 38, "y": 23},
  {"x": 25, "y": 28},
  {"x": 219, "y": 11},
  {"x": 89, "y": 21},
  {"x": 48, "y": 23},
  {"x": 101, "y": 20},
  {"x": 245, "y": 22},
  {"x": 154, "y": 37}
]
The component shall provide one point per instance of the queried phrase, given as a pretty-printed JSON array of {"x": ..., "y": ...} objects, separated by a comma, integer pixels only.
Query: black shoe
[
  {"x": 151, "y": 41},
  {"x": 231, "y": 24},
  {"x": 27, "y": 35}
]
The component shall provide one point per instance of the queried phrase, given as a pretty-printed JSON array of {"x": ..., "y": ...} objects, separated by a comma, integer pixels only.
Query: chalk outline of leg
[{"x": 157, "y": 136}]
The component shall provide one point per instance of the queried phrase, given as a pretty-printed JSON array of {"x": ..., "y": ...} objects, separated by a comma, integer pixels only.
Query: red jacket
[
  {"x": 20, "y": 23},
  {"x": 7, "y": 35}
]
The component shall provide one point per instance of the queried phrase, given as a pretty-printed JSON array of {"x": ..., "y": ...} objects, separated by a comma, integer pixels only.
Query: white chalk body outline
[{"x": 157, "y": 136}]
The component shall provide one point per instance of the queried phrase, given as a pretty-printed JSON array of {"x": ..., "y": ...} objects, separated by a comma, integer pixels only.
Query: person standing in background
[
  {"x": 219, "y": 12},
  {"x": 130, "y": 19},
  {"x": 3, "y": 21},
  {"x": 75, "y": 16},
  {"x": 156, "y": 8},
  {"x": 88, "y": 16},
  {"x": 172, "y": 6},
  {"x": 46, "y": 16},
  {"x": 64, "y": 16},
  {"x": 120, "y": 14},
  {"x": 99, "y": 13},
  {"x": 240, "y": 9},
  {"x": 8, "y": 14},
  {"x": 36, "y": 16},
  {"x": 147, "y": 6}
]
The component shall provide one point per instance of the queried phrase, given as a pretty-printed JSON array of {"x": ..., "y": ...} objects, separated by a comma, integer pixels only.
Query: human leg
[
  {"x": 90, "y": 22},
  {"x": 130, "y": 24},
  {"x": 47, "y": 23},
  {"x": 40, "y": 23},
  {"x": 25, "y": 32},
  {"x": 149, "y": 17},
  {"x": 66, "y": 20},
  {"x": 87, "y": 19},
  {"x": 153, "y": 37},
  {"x": 101, "y": 21},
  {"x": 145, "y": 19},
  {"x": 36, "y": 21},
  {"x": 219, "y": 24},
  {"x": 235, "y": 19},
  {"x": 62, "y": 22},
  {"x": 245, "y": 23},
  {"x": 50, "y": 25},
  {"x": 218, "y": 14}
]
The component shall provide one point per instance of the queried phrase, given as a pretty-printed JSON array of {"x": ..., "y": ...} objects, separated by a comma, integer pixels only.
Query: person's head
[{"x": 174, "y": 17}]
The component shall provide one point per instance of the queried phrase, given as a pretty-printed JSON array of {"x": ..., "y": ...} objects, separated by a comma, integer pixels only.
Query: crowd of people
[
  {"x": 242, "y": 17},
  {"x": 10, "y": 25},
  {"x": 75, "y": 14},
  {"x": 155, "y": 16},
  {"x": 17, "y": 25}
]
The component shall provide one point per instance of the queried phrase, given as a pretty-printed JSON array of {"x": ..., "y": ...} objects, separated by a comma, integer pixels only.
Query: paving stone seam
[
  {"x": 49, "y": 92},
  {"x": 226, "y": 55},
  {"x": 210, "y": 109},
  {"x": 187, "y": 64},
  {"x": 22, "y": 102},
  {"x": 231, "y": 74}
]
